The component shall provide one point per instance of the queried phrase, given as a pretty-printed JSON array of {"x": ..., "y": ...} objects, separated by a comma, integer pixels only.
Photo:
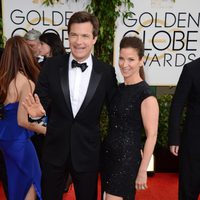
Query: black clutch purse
[{"x": 42, "y": 121}]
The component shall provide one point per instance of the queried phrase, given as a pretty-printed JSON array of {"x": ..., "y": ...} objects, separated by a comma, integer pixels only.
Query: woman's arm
[
  {"x": 26, "y": 88},
  {"x": 150, "y": 116}
]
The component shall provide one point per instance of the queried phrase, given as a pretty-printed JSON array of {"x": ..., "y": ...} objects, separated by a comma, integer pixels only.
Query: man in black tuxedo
[
  {"x": 75, "y": 86},
  {"x": 187, "y": 144}
]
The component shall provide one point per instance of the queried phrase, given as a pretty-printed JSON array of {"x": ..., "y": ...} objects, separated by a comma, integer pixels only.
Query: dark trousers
[
  {"x": 189, "y": 177},
  {"x": 54, "y": 182}
]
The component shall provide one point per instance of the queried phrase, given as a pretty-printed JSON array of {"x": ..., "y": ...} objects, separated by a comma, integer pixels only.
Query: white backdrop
[
  {"x": 170, "y": 32},
  {"x": 20, "y": 16}
]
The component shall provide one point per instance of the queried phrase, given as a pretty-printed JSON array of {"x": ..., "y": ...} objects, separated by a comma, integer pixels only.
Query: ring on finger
[{"x": 142, "y": 188}]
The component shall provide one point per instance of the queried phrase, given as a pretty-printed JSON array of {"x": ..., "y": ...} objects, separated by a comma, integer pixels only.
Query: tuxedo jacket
[
  {"x": 187, "y": 95},
  {"x": 77, "y": 138}
]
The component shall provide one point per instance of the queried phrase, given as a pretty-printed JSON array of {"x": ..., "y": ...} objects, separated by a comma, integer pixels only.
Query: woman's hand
[
  {"x": 141, "y": 181},
  {"x": 33, "y": 106}
]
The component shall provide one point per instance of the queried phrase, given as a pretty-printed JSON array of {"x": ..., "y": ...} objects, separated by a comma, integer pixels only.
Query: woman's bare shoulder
[
  {"x": 22, "y": 81},
  {"x": 24, "y": 85}
]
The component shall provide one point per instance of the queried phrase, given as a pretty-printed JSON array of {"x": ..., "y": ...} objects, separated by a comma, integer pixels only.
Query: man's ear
[{"x": 95, "y": 39}]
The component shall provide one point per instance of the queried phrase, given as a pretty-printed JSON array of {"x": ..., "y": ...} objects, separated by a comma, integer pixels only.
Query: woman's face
[
  {"x": 129, "y": 62},
  {"x": 45, "y": 50}
]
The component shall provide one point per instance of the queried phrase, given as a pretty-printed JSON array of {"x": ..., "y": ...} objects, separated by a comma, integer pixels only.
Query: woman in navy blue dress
[{"x": 18, "y": 74}]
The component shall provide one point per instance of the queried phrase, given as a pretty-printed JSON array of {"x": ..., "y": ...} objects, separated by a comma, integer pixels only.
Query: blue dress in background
[{"x": 21, "y": 160}]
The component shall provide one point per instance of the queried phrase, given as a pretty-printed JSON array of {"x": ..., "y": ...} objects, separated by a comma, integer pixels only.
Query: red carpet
[{"x": 161, "y": 186}]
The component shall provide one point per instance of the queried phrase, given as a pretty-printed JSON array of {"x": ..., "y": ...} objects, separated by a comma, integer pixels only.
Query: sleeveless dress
[
  {"x": 121, "y": 148},
  {"x": 21, "y": 161}
]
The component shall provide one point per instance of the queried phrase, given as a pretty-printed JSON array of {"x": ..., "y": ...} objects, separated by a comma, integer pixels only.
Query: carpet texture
[{"x": 161, "y": 186}]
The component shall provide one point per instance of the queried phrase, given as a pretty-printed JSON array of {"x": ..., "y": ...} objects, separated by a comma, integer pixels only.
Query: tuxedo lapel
[
  {"x": 93, "y": 83},
  {"x": 64, "y": 79}
]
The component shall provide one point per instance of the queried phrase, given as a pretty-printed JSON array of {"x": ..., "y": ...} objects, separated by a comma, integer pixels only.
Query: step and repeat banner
[
  {"x": 168, "y": 28},
  {"x": 20, "y": 16},
  {"x": 170, "y": 31}
]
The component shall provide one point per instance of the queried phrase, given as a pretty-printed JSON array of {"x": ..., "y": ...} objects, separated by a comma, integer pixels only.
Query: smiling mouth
[
  {"x": 79, "y": 48},
  {"x": 125, "y": 69}
]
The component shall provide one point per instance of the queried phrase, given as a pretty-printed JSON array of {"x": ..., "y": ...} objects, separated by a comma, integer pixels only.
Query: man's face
[
  {"x": 81, "y": 40},
  {"x": 35, "y": 46}
]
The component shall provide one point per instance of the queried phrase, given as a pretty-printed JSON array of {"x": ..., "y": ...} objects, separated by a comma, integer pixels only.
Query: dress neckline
[
  {"x": 132, "y": 85},
  {"x": 12, "y": 103}
]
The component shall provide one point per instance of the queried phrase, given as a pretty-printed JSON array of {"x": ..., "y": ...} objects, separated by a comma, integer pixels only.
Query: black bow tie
[{"x": 83, "y": 66}]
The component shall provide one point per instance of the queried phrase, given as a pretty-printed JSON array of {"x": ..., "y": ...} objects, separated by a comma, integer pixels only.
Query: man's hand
[
  {"x": 33, "y": 106},
  {"x": 174, "y": 149}
]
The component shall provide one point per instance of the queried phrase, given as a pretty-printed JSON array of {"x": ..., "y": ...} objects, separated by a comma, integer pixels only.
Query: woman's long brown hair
[{"x": 17, "y": 57}]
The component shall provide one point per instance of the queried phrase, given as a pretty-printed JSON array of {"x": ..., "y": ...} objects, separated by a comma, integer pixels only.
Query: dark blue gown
[{"x": 21, "y": 160}]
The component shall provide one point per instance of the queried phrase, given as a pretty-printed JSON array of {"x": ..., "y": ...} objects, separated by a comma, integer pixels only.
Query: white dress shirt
[
  {"x": 40, "y": 58},
  {"x": 78, "y": 83}
]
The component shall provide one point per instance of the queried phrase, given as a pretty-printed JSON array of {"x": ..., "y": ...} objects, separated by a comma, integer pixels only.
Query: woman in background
[
  {"x": 18, "y": 74},
  {"x": 51, "y": 45},
  {"x": 133, "y": 107}
]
